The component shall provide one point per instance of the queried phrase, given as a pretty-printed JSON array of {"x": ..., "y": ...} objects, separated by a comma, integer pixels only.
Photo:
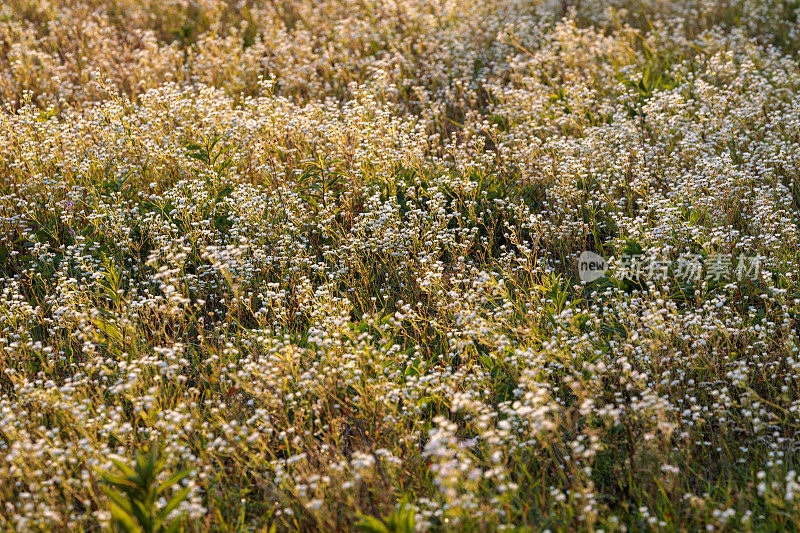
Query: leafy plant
[
  {"x": 208, "y": 153},
  {"x": 401, "y": 520},
  {"x": 318, "y": 179},
  {"x": 134, "y": 490}
]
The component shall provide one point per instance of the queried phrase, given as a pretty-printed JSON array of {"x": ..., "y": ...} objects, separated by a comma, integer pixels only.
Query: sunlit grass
[{"x": 283, "y": 266}]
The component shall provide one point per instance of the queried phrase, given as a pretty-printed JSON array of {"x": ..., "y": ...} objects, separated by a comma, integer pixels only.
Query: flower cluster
[{"x": 326, "y": 256}]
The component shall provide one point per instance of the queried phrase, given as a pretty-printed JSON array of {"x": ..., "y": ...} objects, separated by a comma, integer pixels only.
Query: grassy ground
[{"x": 283, "y": 266}]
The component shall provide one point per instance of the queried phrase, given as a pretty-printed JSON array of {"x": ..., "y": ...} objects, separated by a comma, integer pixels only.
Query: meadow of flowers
[{"x": 320, "y": 261}]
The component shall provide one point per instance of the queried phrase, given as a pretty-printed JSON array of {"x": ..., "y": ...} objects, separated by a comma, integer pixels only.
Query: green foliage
[
  {"x": 134, "y": 490},
  {"x": 207, "y": 152},
  {"x": 401, "y": 520},
  {"x": 319, "y": 177}
]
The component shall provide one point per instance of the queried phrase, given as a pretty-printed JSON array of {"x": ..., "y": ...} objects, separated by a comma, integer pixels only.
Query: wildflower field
[{"x": 284, "y": 265}]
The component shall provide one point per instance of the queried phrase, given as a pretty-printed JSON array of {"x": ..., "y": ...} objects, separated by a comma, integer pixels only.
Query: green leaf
[
  {"x": 123, "y": 521},
  {"x": 224, "y": 192},
  {"x": 369, "y": 524},
  {"x": 142, "y": 516},
  {"x": 172, "y": 528},
  {"x": 117, "y": 498},
  {"x": 128, "y": 471},
  {"x": 171, "y": 481},
  {"x": 175, "y": 501}
]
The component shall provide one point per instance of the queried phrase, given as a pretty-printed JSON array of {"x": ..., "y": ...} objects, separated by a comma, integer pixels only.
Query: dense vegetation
[{"x": 314, "y": 265}]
